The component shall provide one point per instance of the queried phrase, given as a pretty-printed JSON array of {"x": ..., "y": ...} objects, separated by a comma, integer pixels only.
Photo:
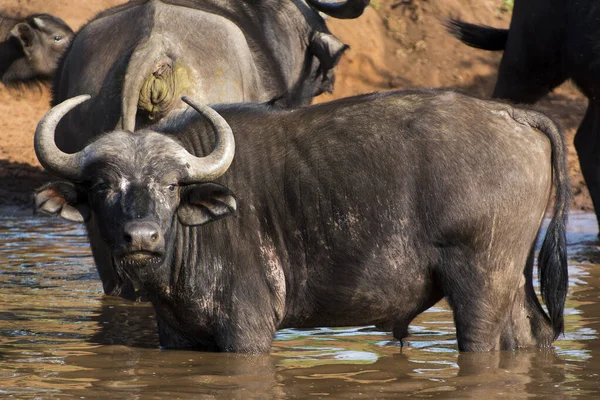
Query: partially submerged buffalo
[
  {"x": 215, "y": 50},
  {"x": 549, "y": 42},
  {"x": 31, "y": 47},
  {"x": 366, "y": 210}
]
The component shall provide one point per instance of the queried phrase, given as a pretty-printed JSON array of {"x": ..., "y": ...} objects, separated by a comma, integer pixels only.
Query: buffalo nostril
[
  {"x": 127, "y": 237},
  {"x": 154, "y": 236}
]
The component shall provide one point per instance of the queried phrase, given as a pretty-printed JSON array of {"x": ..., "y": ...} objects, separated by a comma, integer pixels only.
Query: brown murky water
[{"x": 61, "y": 338}]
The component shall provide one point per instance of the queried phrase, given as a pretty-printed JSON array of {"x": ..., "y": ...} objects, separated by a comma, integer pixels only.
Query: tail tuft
[
  {"x": 478, "y": 36},
  {"x": 553, "y": 273}
]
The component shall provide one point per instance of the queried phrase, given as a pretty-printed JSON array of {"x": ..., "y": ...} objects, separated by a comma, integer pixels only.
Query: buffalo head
[
  {"x": 33, "y": 49},
  {"x": 134, "y": 192}
]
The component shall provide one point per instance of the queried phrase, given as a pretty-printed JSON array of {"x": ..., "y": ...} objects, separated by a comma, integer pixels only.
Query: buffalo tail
[
  {"x": 478, "y": 36},
  {"x": 552, "y": 259}
]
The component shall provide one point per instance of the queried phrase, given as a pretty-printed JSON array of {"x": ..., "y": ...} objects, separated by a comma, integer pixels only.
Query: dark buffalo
[
  {"x": 366, "y": 210},
  {"x": 214, "y": 50},
  {"x": 31, "y": 47},
  {"x": 549, "y": 42}
]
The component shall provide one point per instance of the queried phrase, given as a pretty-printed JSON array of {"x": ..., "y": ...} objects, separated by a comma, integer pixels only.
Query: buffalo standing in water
[
  {"x": 136, "y": 60},
  {"x": 30, "y": 48},
  {"x": 367, "y": 210},
  {"x": 549, "y": 42}
]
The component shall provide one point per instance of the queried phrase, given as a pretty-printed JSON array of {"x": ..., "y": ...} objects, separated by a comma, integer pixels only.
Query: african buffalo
[
  {"x": 30, "y": 48},
  {"x": 549, "y": 42},
  {"x": 367, "y": 210},
  {"x": 214, "y": 50}
]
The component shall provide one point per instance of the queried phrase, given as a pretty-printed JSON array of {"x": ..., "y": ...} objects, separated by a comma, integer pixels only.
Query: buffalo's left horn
[
  {"x": 50, "y": 156},
  {"x": 348, "y": 9},
  {"x": 215, "y": 164}
]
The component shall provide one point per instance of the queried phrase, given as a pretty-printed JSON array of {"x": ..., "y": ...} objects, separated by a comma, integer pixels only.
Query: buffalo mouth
[{"x": 140, "y": 258}]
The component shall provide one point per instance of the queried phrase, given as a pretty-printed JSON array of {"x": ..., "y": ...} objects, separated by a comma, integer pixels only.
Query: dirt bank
[{"x": 394, "y": 45}]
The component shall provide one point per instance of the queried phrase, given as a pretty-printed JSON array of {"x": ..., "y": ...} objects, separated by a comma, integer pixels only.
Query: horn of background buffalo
[
  {"x": 50, "y": 156},
  {"x": 349, "y": 9},
  {"x": 202, "y": 169}
]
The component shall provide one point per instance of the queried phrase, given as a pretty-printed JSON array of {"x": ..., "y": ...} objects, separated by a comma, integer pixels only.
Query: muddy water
[{"x": 61, "y": 338}]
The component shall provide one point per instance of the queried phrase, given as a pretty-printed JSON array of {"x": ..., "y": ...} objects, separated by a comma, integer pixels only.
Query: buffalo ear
[
  {"x": 205, "y": 202},
  {"x": 61, "y": 199},
  {"x": 24, "y": 33},
  {"x": 328, "y": 49}
]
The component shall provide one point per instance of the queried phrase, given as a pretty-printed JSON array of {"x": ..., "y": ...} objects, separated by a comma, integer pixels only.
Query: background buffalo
[
  {"x": 548, "y": 43},
  {"x": 31, "y": 47}
]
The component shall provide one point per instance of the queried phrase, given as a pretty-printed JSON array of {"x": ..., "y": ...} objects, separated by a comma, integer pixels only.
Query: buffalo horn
[
  {"x": 348, "y": 9},
  {"x": 202, "y": 169},
  {"x": 50, "y": 156}
]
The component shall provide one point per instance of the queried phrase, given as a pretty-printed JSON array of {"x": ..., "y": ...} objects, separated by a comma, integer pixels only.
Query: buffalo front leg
[
  {"x": 172, "y": 338},
  {"x": 587, "y": 144}
]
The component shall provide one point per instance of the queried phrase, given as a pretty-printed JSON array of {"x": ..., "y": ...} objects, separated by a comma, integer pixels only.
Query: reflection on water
[{"x": 61, "y": 338}]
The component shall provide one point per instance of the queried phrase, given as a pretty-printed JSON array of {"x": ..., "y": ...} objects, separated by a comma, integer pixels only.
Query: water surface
[{"x": 60, "y": 337}]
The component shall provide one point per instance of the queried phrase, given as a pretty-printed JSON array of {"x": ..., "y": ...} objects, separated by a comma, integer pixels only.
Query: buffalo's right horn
[
  {"x": 212, "y": 166},
  {"x": 349, "y": 9},
  {"x": 50, "y": 156}
]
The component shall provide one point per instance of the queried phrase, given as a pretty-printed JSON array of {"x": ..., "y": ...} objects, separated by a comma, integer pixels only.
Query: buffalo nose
[{"x": 142, "y": 236}]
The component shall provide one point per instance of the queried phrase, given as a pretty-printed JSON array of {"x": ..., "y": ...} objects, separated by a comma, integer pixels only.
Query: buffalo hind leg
[
  {"x": 528, "y": 326},
  {"x": 481, "y": 296}
]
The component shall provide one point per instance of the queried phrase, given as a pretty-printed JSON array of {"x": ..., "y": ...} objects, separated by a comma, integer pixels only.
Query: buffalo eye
[
  {"x": 172, "y": 187},
  {"x": 101, "y": 187},
  {"x": 57, "y": 38}
]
